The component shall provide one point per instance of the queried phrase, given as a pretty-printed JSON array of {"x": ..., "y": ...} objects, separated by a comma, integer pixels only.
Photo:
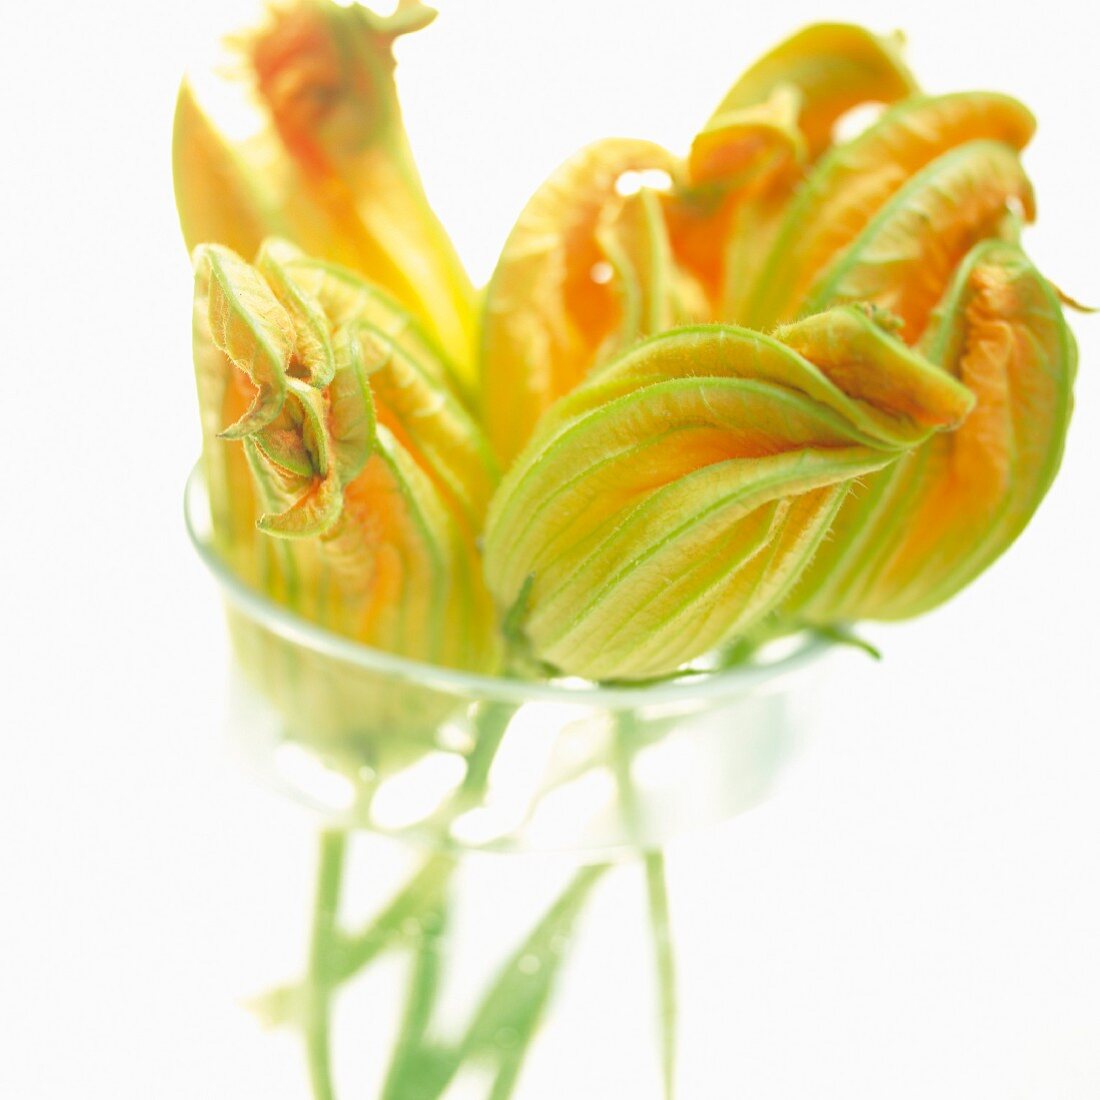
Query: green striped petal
[
  {"x": 911, "y": 537},
  {"x": 854, "y": 180},
  {"x": 670, "y": 503},
  {"x": 905, "y": 256},
  {"x": 367, "y": 489}
]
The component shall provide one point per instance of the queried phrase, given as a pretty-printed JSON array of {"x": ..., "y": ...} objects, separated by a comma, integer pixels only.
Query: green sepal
[
  {"x": 352, "y": 420},
  {"x": 249, "y": 327},
  {"x": 313, "y": 353},
  {"x": 302, "y": 447}
]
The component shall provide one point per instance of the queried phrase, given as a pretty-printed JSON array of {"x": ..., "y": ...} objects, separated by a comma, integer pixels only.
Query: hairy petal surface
[{"x": 697, "y": 471}]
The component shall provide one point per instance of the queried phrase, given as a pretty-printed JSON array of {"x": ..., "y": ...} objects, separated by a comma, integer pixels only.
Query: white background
[{"x": 914, "y": 914}]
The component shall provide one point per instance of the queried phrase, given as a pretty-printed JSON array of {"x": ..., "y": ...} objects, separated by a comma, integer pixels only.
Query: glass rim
[{"x": 801, "y": 650}]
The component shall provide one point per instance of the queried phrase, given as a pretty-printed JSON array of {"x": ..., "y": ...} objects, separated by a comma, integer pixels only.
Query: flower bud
[
  {"x": 910, "y": 536},
  {"x": 751, "y": 156},
  {"x": 363, "y": 464},
  {"x": 561, "y": 300},
  {"x": 834, "y": 67},
  {"x": 667, "y": 505}
]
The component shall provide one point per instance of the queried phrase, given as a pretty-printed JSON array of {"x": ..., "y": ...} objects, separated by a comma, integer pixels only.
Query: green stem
[
  {"x": 424, "y": 894},
  {"x": 508, "y": 1017},
  {"x": 417, "y": 1067},
  {"x": 319, "y": 983},
  {"x": 657, "y": 896},
  {"x": 410, "y": 1075},
  {"x": 505, "y": 1023},
  {"x": 657, "y": 888},
  {"x": 505, "y": 1082},
  {"x": 492, "y": 721}
]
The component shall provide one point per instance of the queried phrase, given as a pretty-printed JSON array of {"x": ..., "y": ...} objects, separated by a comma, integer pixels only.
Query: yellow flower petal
[
  {"x": 904, "y": 258},
  {"x": 834, "y": 67},
  {"x": 740, "y": 174},
  {"x": 912, "y": 536},
  {"x": 300, "y": 136},
  {"x": 777, "y": 118},
  {"x": 853, "y": 181},
  {"x": 549, "y": 306}
]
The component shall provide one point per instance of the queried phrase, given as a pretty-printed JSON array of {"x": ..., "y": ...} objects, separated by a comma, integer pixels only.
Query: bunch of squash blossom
[{"x": 780, "y": 381}]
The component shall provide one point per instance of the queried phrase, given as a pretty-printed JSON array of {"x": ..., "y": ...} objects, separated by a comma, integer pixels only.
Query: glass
[{"x": 511, "y": 808}]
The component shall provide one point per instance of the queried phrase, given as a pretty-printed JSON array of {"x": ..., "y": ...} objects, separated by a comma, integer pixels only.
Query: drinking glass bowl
[
  {"x": 517, "y": 806},
  {"x": 385, "y": 743}
]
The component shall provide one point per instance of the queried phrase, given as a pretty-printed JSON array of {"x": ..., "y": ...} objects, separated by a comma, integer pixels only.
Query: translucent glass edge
[{"x": 292, "y": 627}]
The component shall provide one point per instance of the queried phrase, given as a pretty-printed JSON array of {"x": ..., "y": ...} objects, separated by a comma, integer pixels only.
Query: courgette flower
[
  {"x": 347, "y": 477},
  {"x": 669, "y": 503},
  {"x": 909, "y": 537},
  {"x": 298, "y": 133},
  {"x": 771, "y": 223},
  {"x": 555, "y": 305},
  {"x": 780, "y": 379}
]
